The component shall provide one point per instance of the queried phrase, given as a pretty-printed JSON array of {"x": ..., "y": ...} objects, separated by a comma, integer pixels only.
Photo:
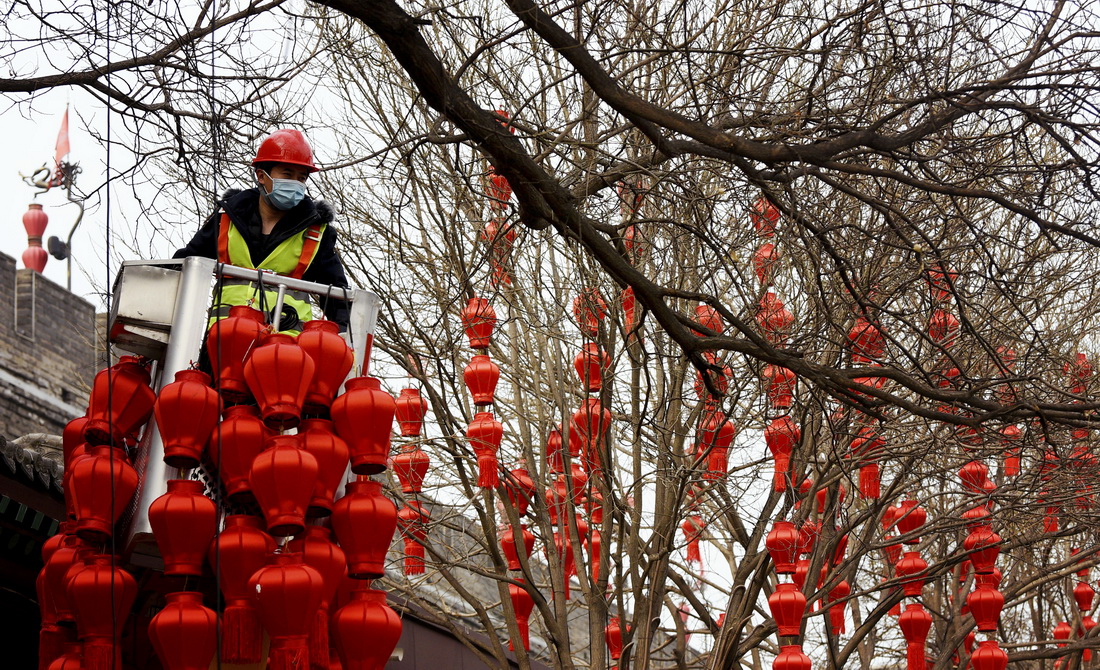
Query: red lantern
[
  {"x": 915, "y": 622},
  {"x": 364, "y": 521},
  {"x": 413, "y": 520},
  {"x": 590, "y": 364},
  {"x": 716, "y": 434},
  {"x": 974, "y": 475},
  {"x": 485, "y": 433},
  {"x": 287, "y": 593},
  {"x": 837, "y": 596},
  {"x": 278, "y": 373},
  {"x": 55, "y": 571},
  {"x": 866, "y": 448},
  {"x": 481, "y": 376},
  {"x": 121, "y": 402},
  {"x": 101, "y": 487},
  {"x": 410, "y": 409},
  {"x": 184, "y": 633},
  {"x": 589, "y": 309},
  {"x": 187, "y": 411},
  {"x": 782, "y": 544},
  {"x": 764, "y": 261},
  {"x": 332, "y": 359},
  {"x": 102, "y": 597},
  {"x": 363, "y": 416},
  {"x": 1083, "y": 594},
  {"x": 781, "y": 435},
  {"x": 323, "y": 555},
  {"x": 479, "y": 318},
  {"x": 866, "y": 341},
  {"x": 72, "y": 436},
  {"x": 228, "y": 343},
  {"x": 983, "y": 545},
  {"x": 521, "y": 489},
  {"x": 72, "y": 658},
  {"x": 708, "y": 317},
  {"x": 332, "y": 454},
  {"x": 236, "y": 554},
  {"x": 764, "y": 216},
  {"x": 693, "y": 527},
  {"x": 511, "y": 550},
  {"x": 911, "y": 516},
  {"x": 522, "y": 604},
  {"x": 774, "y": 319},
  {"x": 411, "y": 466},
  {"x": 791, "y": 658},
  {"x": 594, "y": 558},
  {"x": 235, "y": 443},
  {"x": 564, "y": 550},
  {"x": 554, "y": 460},
  {"x": 989, "y": 656},
  {"x": 787, "y": 605},
  {"x": 779, "y": 383},
  {"x": 629, "y": 308},
  {"x": 366, "y": 631},
  {"x": 282, "y": 479},
  {"x": 801, "y": 570},
  {"x": 943, "y": 328},
  {"x": 613, "y": 635},
  {"x": 976, "y": 516},
  {"x": 912, "y": 571},
  {"x": 183, "y": 521},
  {"x": 591, "y": 423},
  {"x": 985, "y": 604},
  {"x": 719, "y": 376}
]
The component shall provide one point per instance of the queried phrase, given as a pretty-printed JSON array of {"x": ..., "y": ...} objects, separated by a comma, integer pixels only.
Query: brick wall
[{"x": 47, "y": 352}]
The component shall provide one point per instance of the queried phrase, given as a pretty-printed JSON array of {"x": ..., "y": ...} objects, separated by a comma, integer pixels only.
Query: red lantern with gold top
[
  {"x": 228, "y": 343},
  {"x": 287, "y": 593},
  {"x": 101, "y": 487},
  {"x": 183, "y": 521},
  {"x": 366, "y": 631},
  {"x": 481, "y": 376},
  {"x": 364, "y": 521},
  {"x": 234, "y": 444},
  {"x": 121, "y": 402},
  {"x": 478, "y": 319},
  {"x": 413, "y": 520},
  {"x": 410, "y": 409},
  {"x": 278, "y": 373},
  {"x": 187, "y": 411},
  {"x": 522, "y": 604},
  {"x": 411, "y": 466},
  {"x": 363, "y": 416},
  {"x": 282, "y": 479},
  {"x": 318, "y": 437},
  {"x": 332, "y": 359},
  {"x": 236, "y": 554},
  {"x": 102, "y": 597},
  {"x": 485, "y": 434},
  {"x": 185, "y": 632}
]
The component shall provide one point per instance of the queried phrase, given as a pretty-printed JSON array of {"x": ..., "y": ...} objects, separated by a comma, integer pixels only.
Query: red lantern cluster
[
  {"x": 499, "y": 233},
  {"x": 481, "y": 376}
]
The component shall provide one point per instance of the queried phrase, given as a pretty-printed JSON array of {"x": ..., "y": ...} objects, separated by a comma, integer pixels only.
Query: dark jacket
[{"x": 243, "y": 208}]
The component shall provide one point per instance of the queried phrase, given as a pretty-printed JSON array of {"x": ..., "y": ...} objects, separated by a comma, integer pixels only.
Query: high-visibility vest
[{"x": 290, "y": 259}]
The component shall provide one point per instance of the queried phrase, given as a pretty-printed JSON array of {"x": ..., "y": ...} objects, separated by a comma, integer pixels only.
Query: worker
[{"x": 278, "y": 225}]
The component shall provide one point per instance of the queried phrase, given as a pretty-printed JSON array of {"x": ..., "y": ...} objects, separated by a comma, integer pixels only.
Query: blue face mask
[{"x": 285, "y": 193}]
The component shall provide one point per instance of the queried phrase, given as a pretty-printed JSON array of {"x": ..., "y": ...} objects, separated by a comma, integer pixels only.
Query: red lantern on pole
[
  {"x": 120, "y": 403},
  {"x": 791, "y": 658},
  {"x": 479, "y": 318},
  {"x": 101, "y": 487},
  {"x": 522, "y": 604},
  {"x": 364, "y": 521},
  {"x": 332, "y": 359},
  {"x": 485, "y": 434},
  {"x": 187, "y": 411},
  {"x": 788, "y": 605},
  {"x": 782, "y": 544},
  {"x": 591, "y": 363},
  {"x": 989, "y": 656},
  {"x": 278, "y": 373},
  {"x": 985, "y": 604},
  {"x": 102, "y": 597},
  {"x": 326, "y": 557},
  {"x": 236, "y": 554},
  {"x": 185, "y": 632},
  {"x": 319, "y": 438},
  {"x": 481, "y": 376},
  {"x": 34, "y": 222},
  {"x": 413, "y": 520},
  {"x": 234, "y": 444},
  {"x": 363, "y": 416},
  {"x": 183, "y": 521},
  {"x": 779, "y": 384},
  {"x": 915, "y": 622},
  {"x": 511, "y": 549},
  {"x": 282, "y": 479},
  {"x": 411, "y": 466},
  {"x": 410, "y": 409},
  {"x": 781, "y": 435},
  {"x": 366, "y": 631},
  {"x": 287, "y": 593},
  {"x": 228, "y": 343}
]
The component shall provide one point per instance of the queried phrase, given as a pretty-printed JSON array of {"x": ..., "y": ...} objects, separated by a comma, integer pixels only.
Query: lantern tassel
[
  {"x": 242, "y": 635},
  {"x": 414, "y": 558},
  {"x": 782, "y": 463},
  {"x": 869, "y": 481},
  {"x": 836, "y": 619},
  {"x": 101, "y": 654},
  {"x": 487, "y": 477},
  {"x": 319, "y": 640},
  {"x": 51, "y": 644},
  {"x": 524, "y": 634},
  {"x": 895, "y": 610},
  {"x": 693, "y": 551},
  {"x": 914, "y": 656},
  {"x": 288, "y": 654}
]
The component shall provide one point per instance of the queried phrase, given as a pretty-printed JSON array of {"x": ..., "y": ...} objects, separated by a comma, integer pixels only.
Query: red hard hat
[{"x": 286, "y": 146}]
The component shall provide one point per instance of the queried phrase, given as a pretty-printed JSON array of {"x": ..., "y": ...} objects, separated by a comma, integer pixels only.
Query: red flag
[{"x": 62, "y": 139}]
